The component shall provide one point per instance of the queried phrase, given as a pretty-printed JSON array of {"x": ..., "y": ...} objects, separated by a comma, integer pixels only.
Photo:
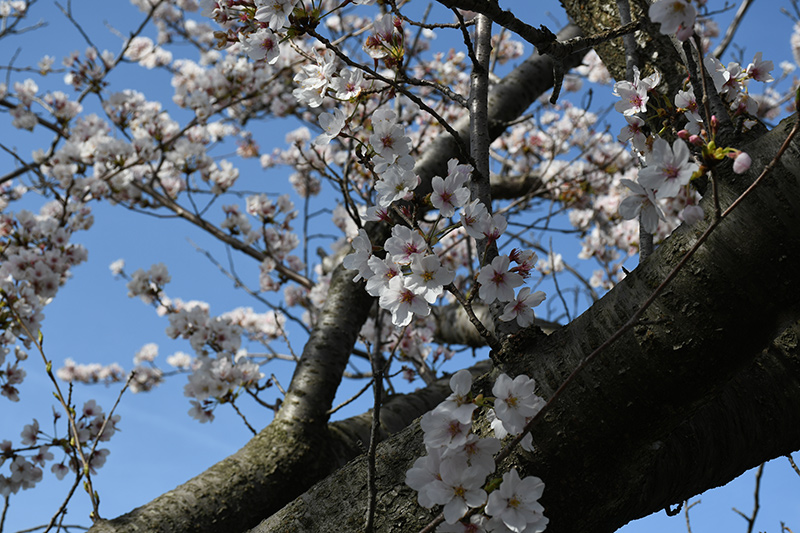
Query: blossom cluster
[
  {"x": 410, "y": 277},
  {"x": 669, "y": 169},
  {"x": 37, "y": 260},
  {"x": 26, "y": 462},
  {"x": 454, "y": 471}
]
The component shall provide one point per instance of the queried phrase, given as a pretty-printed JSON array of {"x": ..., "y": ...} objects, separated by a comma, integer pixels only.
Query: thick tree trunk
[{"x": 679, "y": 404}]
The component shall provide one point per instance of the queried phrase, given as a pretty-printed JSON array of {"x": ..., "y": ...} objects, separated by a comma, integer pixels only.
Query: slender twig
[
  {"x": 5, "y": 511},
  {"x": 794, "y": 465},
  {"x": 751, "y": 520},
  {"x": 734, "y": 25},
  {"x": 62, "y": 510},
  {"x": 352, "y": 398},
  {"x": 377, "y": 362},
  {"x": 491, "y": 340},
  {"x": 686, "y": 507},
  {"x": 244, "y": 419}
]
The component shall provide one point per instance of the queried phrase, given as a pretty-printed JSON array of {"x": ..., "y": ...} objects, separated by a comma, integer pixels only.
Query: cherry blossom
[
  {"x": 382, "y": 270},
  {"x": 442, "y": 429},
  {"x": 521, "y": 308},
  {"x": 429, "y": 276},
  {"x": 741, "y": 163},
  {"x": 668, "y": 168},
  {"x": 359, "y": 259},
  {"x": 475, "y": 219},
  {"x": 692, "y": 214},
  {"x": 635, "y": 132},
  {"x": 274, "y": 12},
  {"x": 262, "y": 44},
  {"x": 349, "y": 84},
  {"x": 404, "y": 244},
  {"x": 516, "y": 503},
  {"x": 515, "y": 401},
  {"x": 479, "y": 453},
  {"x": 458, "y": 490},
  {"x": 634, "y": 93},
  {"x": 459, "y": 404},
  {"x": 496, "y": 282},
  {"x": 686, "y": 101},
  {"x": 675, "y": 16},
  {"x": 423, "y": 474},
  {"x": 760, "y": 70},
  {"x": 642, "y": 201},
  {"x": 448, "y": 195},
  {"x": 403, "y": 302}
]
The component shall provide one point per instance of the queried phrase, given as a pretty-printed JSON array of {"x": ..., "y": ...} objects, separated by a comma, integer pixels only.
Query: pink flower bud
[
  {"x": 742, "y": 163},
  {"x": 696, "y": 140},
  {"x": 684, "y": 134}
]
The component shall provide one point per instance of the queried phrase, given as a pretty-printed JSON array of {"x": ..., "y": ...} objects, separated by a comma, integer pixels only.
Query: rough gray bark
[{"x": 676, "y": 406}]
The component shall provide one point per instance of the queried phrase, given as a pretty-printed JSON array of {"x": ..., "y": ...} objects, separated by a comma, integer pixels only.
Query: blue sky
[{"x": 93, "y": 320}]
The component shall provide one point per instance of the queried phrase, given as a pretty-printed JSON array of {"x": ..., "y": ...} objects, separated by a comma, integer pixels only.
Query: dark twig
[{"x": 751, "y": 520}]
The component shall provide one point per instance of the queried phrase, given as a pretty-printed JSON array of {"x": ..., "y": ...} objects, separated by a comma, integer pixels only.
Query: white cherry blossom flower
[
  {"x": 476, "y": 524},
  {"x": 447, "y": 195},
  {"x": 692, "y": 214},
  {"x": 515, "y": 401},
  {"x": 442, "y": 430},
  {"x": 423, "y": 474},
  {"x": 30, "y": 433},
  {"x": 458, "y": 404},
  {"x": 516, "y": 503},
  {"x": 687, "y": 101},
  {"x": 383, "y": 270},
  {"x": 429, "y": 276},
  {"x": 668, "y": 169},
  {"x": 262, "y": 44},
  {"x": 395, "y": 184},
  {"x": 633, "y": 99},
  {"x": 760, "y": 70},
  {"x": 497, "y": 283},
  {"x": 521, "y": 308},
  {"x": 642, "y": 201},
  {"x": 389, "y": 139},
  {"x": 458, "y": 490},
  {"x": 275, "y": 12},
  {"x": 349, "y": 84},
  {"x": 358, "y": 260},
  {"x": 475, "y": 219},
  {"x": 404, "y": 244},
  {"x": 675, "y": 16},
  {"x": 332, "y": 125},
  {"x": 634, "y": 132},
  {"x": 403, "y": 302},
  {"x": 479, "y": 452},
  {"x": 497, "y": 226}
]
